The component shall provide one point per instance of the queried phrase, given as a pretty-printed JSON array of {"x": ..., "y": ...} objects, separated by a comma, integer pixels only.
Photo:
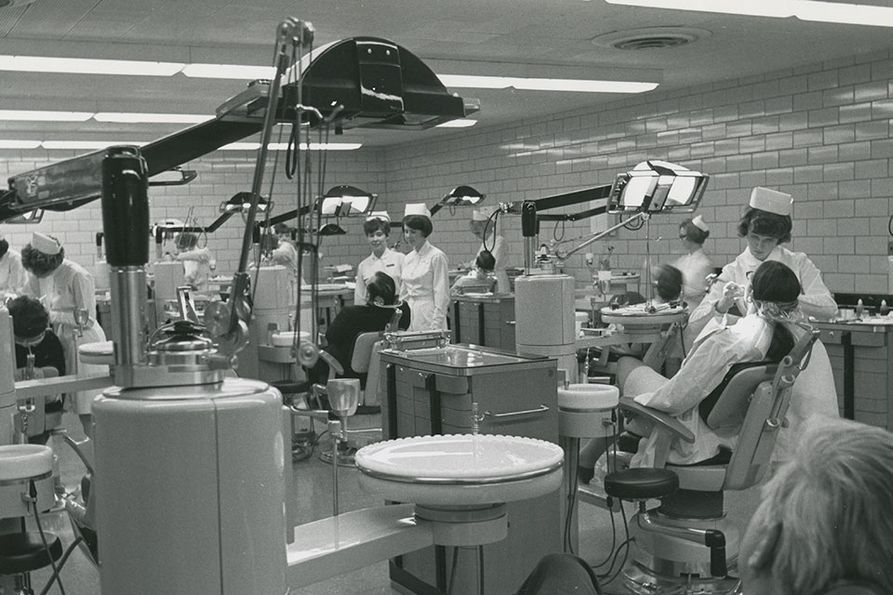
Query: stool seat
[
  {"x": 641, "y": 483},
  {"x": 24, "y": 552},
  {"x": 588, "y": 397}
]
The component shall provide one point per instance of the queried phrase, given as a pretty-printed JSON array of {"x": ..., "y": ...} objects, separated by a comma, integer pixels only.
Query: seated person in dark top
[
  {"x": 30, "y": 326},
  {"x": 352, "y": 321}
]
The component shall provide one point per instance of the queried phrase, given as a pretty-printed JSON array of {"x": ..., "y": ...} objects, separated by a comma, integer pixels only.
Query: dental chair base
[{"x": 667, "y": 563}]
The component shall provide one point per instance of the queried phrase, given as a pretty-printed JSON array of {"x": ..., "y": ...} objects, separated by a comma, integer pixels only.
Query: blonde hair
[{"x": 833, "y": 502}]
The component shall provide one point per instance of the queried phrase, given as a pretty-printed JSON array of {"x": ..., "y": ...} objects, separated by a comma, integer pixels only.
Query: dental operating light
[{"x": 460, "y": 196}]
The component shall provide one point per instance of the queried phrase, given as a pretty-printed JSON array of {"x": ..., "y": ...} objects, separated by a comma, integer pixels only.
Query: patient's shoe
[{"x": 585, "y": 474}]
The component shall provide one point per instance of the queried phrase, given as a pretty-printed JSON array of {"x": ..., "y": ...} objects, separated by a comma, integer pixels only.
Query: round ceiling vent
[{"x": 650, "y": 38}]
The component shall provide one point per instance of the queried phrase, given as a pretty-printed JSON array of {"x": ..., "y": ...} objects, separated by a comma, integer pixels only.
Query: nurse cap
[
  {"x": 416, "y": 208},
  {"x": 383, "y": 215},
  {"x": 45, "y": 244},
  {"x": 771, "y": 201},
  {"x": 482, "y": 214},
  {"x": 700, "y": 223}
]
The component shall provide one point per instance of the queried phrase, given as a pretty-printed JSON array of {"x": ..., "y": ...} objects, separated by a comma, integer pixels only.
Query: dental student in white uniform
[
  {"x": 766, "y": 224},
  {"x": 694, "y": 264},
  {"x": 493, "y": 242},
  {"x": 377, "y": 228},
  {"x": 65, "y": 287},
  {"x": 426, "y": 283},
  {"x": 13, "y": 275}
]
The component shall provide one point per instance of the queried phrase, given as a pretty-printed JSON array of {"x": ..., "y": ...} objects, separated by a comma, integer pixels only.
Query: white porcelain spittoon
[{"x": 460, "y": 483}]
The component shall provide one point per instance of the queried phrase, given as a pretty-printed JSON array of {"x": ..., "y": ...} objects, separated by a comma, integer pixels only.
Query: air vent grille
[{"x": 650, "y": 38}]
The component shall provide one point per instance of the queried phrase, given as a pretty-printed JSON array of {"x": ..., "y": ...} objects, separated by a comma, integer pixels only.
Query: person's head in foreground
[
  {"x": 30, "y": 320},
  {"x": 775, "y": 290},
  {"x": 825, "y": 520}
]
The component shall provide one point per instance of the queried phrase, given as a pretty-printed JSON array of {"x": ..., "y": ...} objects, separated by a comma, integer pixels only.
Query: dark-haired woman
[
  {"x": 13, "y": 275},
  {"x": 65, "y": 287},
  {"x": 426, "y": 283},
  {"x": 377, "y": 228},
  {"x": 765, "y": 225}
]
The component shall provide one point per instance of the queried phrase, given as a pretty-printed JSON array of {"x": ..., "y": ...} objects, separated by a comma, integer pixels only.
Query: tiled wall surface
[{"x": 820, "y": 132}]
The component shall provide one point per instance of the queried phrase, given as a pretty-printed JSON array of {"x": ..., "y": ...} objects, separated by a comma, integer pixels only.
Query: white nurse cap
[
  {"x": 700, "y": 223},
  {"x": 771, "y": 201},
  {"x": 45, "y": 244},
  {"x": 383, "y": 215},
  {"x": 416, "y": 208}
]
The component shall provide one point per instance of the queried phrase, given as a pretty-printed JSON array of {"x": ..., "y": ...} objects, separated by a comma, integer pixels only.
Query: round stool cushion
[
  {"x": 588, "y": 397},
  {"x": 24, "y": 552},
  {"x": 641, "y": 483}
]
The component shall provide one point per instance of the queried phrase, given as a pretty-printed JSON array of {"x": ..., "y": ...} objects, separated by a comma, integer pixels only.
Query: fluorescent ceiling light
[
  {"x": 147, "y": 118},
  {"x": 88, "y": 66},
  {"x": 43, "y": 116},
  {"x": 459, "y": 123},
  {"x": 87, "y": 144},
  {"x": 229, "y": 71},
  {"x": 805, "y": 10},
  {"x": 283, "y": 146},
  {"x": 544, "y": 84},
  {"x": 19, "y": 144}
]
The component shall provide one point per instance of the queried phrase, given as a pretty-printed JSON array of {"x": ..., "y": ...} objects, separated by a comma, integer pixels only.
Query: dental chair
[{"x": 686, "y": 545}]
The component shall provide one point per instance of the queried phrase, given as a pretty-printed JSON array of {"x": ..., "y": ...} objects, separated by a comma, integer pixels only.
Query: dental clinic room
[{"x": 588, "y": 297}]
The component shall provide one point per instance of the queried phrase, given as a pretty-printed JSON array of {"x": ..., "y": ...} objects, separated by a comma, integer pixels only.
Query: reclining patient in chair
[
  {"x": 352, "y": 321},
  {"x": 763, "y": 334}
]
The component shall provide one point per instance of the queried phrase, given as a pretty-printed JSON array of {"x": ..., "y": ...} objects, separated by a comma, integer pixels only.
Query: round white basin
[
  {"x": 24, "y": 461},
  {"x": 100, "y": 353},
  {"x": 460, "y": 469}
]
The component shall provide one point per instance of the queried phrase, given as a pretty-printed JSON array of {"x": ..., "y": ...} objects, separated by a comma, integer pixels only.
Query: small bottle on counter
[
  {"x": 884, "y": 310},
  {"x": 859, "y": 308}
]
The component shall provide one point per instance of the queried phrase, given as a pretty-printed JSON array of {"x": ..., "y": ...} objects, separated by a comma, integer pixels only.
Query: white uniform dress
[
  {"x": 13, "y": 275},
  {"x": 391, "y": 263},
  {"x": 426, "y": 288},
  {"x": 500, "y": 255},
  {"x": 67, "y": 288},
  {"x": 694, "y": 267},
  {"x": 814, "y": 390}
]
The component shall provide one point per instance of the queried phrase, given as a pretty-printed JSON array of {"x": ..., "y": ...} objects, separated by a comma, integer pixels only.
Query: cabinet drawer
[{"x": 860, "y": 338}]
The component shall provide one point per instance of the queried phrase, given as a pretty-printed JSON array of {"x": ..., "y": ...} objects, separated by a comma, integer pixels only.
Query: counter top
[
  {"x": 461, "y": 359},
  {"x": 483, "y": 297}
]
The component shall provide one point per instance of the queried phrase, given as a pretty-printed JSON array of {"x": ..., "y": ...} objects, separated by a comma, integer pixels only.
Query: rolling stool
[
  {"x": 584, "y": 411},
  {"x": 641, "y": 484},
  {"x": 26, "y": 471}
]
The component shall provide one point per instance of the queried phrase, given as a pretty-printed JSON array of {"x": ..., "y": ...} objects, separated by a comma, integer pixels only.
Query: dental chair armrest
[
  {"x": 335, "y": 368},
  {"x": 629, "y": 407}
]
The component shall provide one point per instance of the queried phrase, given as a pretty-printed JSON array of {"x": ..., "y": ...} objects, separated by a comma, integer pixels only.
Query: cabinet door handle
[{"x": 513, "y": 414}]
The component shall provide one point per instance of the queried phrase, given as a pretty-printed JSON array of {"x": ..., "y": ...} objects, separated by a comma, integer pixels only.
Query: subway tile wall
[{"x": 820, "y": 132}]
